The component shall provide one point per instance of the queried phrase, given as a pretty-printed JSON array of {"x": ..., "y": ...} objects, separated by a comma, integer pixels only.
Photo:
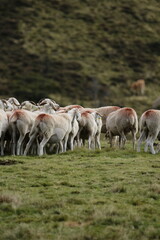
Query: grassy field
[{"x": 108, "y": 194}]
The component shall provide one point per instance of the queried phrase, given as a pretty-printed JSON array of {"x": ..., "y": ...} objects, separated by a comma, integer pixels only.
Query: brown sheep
[
  {"x": 103, "y": 111},
  {"x": 121, "y": 122},
  {"x": 138, "y": 87},
  {"x": 149, "y": 129}
]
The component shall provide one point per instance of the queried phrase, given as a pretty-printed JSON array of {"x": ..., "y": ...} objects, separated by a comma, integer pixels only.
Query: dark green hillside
[{"x": 84, "y": 51}]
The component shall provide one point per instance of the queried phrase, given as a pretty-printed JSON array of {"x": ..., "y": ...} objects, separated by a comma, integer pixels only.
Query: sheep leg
[
  {"x": 19, "y": 143},
  {"x": 150, "y": 141},
  {"x": 75, "y": 143},
  {"x": 97, "y": 140},
  {"x": 51, "y": 148},
  {"x": 89, "y": 142},
  {"x": 71, "y": 142},
  {"x": 44, "y": 150},
  {"x": 32, "y": 138},
  {"x": 2, "y": 144},
  {"x": 147, "y": 143},
  {"x": 7, "y": 146},
  {"x": 22, "y": 146},
  {"x": 119, "y": 141},
  {"x": 60, "y": 147},
  {"x": 158, "y": 148},
  {"x": 140, "y": 140},
  {"x": 152, "y": 148},
  {"x": 110, "y": 139},
  {"x": 78, "y": 138},
  {"x": 65, "y": 142},
  {"x": 93, "y": 144},
  {"x": 146, "y": 146},
  {"x": 41, "y": 146},
  {"x": 115, "y": 141},
  {"x": 123, "y": 139},
  {"x": 134, "y": 139},
  {"x": 13, "y": 140},
  {"x": 82, "y": 142},
  {"x": 57, "y": 148},
  {"x": 33, "y": 150}
]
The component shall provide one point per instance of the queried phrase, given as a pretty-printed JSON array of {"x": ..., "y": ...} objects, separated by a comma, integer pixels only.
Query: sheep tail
[
  {"x": 143, "y": 126},
  {"x": 13, "y": 118}
]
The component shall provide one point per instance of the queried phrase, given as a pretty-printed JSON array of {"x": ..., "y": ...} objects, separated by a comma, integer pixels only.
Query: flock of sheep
[{"x": 45, "y": 127}]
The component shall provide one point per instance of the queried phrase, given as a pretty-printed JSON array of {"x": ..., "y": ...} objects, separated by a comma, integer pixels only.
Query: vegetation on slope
[{"x": 78, "y": 50}]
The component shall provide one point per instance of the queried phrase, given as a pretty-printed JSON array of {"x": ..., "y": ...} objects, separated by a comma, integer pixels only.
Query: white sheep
[
  {"x": 103, "y": 111},
  {"x": 89, "y": 129},
  {"x": 48, "y": 107},
  {"x": 149, "y": 125},
  {"x": 29, "y": 105},
  {"x": 6, "y": 105},
  {"x": 3, "y": 129},
  {"x": 75, "y": 129},
  {"x": 121, "y": 122},
  {"x": 8, "y": 108},
  {"x": 69, "y": 107},
  {"x": 2, "y": 104},
  {"x": 53, "y": 129},
  {"x": 21, "y": 120},
  {"x": 98, "y": 119},
  {"x": 49, "y": 102},
  {"x": 15, "y": 103}
]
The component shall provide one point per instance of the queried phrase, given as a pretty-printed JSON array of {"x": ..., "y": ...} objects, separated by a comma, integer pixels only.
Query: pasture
[{"x": 81, "y": 195}]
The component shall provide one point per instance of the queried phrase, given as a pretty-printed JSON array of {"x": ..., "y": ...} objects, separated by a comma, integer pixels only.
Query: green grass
[{"x": 90, "y": 195}]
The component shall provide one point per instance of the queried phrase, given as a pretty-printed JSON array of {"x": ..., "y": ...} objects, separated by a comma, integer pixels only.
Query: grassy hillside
[{"x": 80, "y": 51}]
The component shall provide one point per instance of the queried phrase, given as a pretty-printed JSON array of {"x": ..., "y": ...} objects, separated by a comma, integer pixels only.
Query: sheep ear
[
  {"x": 53, "y": 101},
  {"x": 41, "y": 100},
  {"x": 41, "y": 103},
  {"x": 53, "y": 105},
  {"x": 33, "y": 103},
  {"x": 4, "y": 101},
  {"x": 57, "y": 106},
  {"x": 18, "y": 105}
]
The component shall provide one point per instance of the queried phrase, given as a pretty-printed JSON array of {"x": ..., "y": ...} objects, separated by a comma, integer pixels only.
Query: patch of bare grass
[
  {"x": 155, "y": 188},
  {"x": 22, "y": 231},
  {"x": 152, "y": 233},
  {"x": 8, "y": 162},
  {"x": 9, "y": 198},
  {"x": 118, "y": 188}
]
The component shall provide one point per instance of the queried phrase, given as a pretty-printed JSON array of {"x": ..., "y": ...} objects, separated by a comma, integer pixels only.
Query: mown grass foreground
[{"x": 107, "y": 194}]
